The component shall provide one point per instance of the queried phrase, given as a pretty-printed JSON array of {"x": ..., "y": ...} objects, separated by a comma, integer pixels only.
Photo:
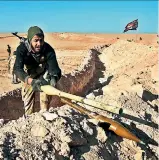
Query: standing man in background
[
  {"x": 11, "y": 62},
  {"x": 36, "y": 65},
  {"x": 9, "y": 51}
]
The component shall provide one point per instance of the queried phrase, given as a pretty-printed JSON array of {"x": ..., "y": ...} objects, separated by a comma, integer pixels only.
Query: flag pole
[
  {"x": 137, "y": 31},
  {"x": 136, "y": 36}
]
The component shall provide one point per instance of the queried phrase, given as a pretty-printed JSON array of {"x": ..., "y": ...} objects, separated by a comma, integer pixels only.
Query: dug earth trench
[{"x": 119, "y": 75}]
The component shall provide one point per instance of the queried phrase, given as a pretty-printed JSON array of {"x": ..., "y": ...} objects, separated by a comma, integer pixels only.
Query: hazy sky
[{"x": 79, "y": 16}]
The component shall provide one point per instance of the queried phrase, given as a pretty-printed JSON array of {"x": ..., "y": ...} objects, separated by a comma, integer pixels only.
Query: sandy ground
[
  {"x": 67, "y": 44},
  {"x": 131, "y": 74}
]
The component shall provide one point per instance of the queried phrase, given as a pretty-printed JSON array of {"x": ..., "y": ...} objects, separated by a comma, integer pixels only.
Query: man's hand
[
  {"x": 29, "y": 81},
  {"x": 50, "y": 79},
  {"x": 37, "y": 83},
  {"x": 53, "y": 81}
]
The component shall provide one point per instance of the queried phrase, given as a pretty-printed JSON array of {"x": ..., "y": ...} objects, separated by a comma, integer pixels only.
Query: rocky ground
[{"x": 128, "y": 79}]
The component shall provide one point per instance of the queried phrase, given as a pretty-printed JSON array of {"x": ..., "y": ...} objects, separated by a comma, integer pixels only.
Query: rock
[
  {"x": 101, "y": 136},
  {"x": 103, "y": 80},
  {"x": 56, "y": 145},
  {"x": 39, "y": 131},
  {"x": 155, "y": 102},
  {"x": 71, "y": 157},
  {"x": 44, "y": 147},
  {"x": 90, "y": 96},
  {"x": 14, "y": 130},
  {"x": 138, "y": 89},
  {"x": 86, "y": 127},
  {"x": 1, "y": 122},
  {"x": 1, "y": 155},
  {"x": 49, "y": 116},
  {"x": 138, "y": 155},
  {"x": 1, "y": 142},
  {"x": 60, "y": 121},
  {"x": 20, "y": 144},
  {"x": 94, "y": 121},
  {"x": 51, "y": 109},
  {"x": 93, "y": 154},
  {"x": 65, "y": 137},
  {"x": 65, "y": 149}
]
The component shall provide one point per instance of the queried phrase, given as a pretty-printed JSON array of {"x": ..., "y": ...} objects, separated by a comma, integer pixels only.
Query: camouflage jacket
[{"x": 27, "y": 63}]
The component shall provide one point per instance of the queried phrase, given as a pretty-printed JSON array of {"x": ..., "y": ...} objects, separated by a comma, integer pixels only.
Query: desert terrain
[{"x": 116, "y": 69}]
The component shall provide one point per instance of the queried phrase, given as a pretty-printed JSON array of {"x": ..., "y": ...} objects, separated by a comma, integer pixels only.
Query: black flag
[{"x": 131, "y": 26}]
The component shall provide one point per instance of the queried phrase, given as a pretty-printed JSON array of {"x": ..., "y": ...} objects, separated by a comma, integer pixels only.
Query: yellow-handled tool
[{"x": 49, "y": 90}]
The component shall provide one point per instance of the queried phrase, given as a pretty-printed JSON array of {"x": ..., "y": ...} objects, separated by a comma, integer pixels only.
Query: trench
[{"x": 78, "y": 82}]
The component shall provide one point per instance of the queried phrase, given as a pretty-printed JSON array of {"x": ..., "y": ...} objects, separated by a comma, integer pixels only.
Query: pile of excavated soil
[
  {"x": 128, "y": 81},
  {"x": 131, "y": 64},
  {"x": 69, "y": 135}
]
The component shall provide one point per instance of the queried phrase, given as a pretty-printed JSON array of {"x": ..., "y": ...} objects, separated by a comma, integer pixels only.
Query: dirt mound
[
  {"x": 71, "y": 135},
  {"x": 68, "y": 135},
  {"x": 132, "y": 64}
]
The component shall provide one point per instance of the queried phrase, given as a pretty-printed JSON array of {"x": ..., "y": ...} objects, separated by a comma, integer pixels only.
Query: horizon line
[{"x": 88, "y": 32}]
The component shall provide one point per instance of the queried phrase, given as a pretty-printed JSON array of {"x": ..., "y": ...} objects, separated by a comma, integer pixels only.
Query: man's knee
[{"x": 28, "y": 97}]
